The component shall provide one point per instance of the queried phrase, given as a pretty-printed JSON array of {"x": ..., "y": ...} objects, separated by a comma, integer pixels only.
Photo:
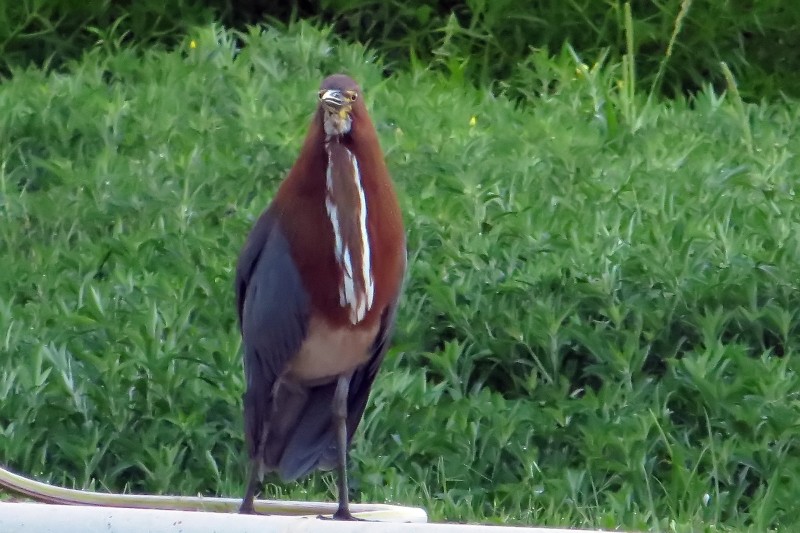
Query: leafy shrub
[
  {"x": 487, "y": 40},
  {"x": 52, "y": 31},
  {"x": 477, "y": 40}
]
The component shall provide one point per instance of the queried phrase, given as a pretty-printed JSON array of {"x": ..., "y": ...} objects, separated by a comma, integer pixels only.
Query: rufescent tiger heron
[{"x": 317, "y": 286}]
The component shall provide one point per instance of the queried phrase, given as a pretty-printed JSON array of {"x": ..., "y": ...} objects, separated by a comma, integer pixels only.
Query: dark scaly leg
[
  {"x": 252, "y": 485},
  {"x": 340, "y": 419}
]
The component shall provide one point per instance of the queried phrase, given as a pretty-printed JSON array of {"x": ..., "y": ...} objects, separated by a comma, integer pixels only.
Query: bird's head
[{"x": 340, "y": 102}]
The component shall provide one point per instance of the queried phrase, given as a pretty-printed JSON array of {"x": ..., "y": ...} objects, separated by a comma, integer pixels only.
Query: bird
[{"x": 318, "y": 282}]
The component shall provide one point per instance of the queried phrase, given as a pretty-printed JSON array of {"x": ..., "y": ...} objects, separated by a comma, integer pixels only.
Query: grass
[
  {"x": 677, "y": 44},
  {"x": 600, "y": 326}
]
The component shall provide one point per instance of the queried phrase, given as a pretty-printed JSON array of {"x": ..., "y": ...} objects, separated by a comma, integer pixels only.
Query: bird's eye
[
  {"x": 352, "y": 96},
  {"x": 321, "y": 93}
]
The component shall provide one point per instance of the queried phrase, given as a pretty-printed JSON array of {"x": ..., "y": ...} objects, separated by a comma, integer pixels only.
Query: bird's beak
[{"x": 335, "y": 102}]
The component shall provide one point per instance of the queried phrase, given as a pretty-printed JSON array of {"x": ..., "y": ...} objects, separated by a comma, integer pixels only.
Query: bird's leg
[
  {"x": 252, "y": 485},
  {"x": 340, "y": 419}
]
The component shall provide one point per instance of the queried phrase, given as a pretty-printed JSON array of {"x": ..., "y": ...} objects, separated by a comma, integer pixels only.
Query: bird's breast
[{"x": 331, "y": 350}]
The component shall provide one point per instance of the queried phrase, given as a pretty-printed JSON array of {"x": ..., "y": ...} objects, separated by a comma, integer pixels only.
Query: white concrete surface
[{"x": 46, "y": 518}]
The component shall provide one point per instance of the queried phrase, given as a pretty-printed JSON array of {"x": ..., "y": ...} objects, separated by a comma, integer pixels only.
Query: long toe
[
  {"x": 345, "y": 514},
  {"x": 247, "y": 509}
]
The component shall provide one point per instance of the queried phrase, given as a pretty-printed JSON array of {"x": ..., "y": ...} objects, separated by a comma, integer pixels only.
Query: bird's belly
[{"x": 330, "y": 351}]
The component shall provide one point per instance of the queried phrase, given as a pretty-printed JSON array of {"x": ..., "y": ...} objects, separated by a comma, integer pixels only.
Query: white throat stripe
[{"x": 356, "y": 288}]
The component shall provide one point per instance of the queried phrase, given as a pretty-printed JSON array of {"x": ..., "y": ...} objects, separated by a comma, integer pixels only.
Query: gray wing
[
  {"x": 361, "y": 382},
  {"x": 273, "y": 311},
  {"x": 314, "y": 442},
  {"x": 363, "y": 377}
]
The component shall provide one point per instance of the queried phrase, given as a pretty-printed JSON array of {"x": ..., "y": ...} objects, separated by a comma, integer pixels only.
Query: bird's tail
[{"x": 299, "y": 431}]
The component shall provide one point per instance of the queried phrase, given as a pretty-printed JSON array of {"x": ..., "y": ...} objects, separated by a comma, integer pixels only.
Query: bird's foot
[
  {"x": 344, "y": 515},
  {"x": 247, "y": 509}
]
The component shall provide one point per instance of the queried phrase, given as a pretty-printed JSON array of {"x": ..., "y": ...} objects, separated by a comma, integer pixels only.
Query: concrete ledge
[
  {"x": 44, "y": 518},
  {"x": 59, "y": 495}
]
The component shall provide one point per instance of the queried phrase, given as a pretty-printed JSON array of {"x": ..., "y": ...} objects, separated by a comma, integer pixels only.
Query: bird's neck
[
  {"x": 347, "y": 209},
  {"x": 347, "y": 227}
]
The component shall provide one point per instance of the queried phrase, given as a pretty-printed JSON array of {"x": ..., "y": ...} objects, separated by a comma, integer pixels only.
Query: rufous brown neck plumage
[{"x": 341, "y": 183}]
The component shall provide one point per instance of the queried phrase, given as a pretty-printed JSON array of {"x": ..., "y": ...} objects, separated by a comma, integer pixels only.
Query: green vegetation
[
  {"x": 600, "y": 326},
  {"x": 486, "y": 42},
  {"x": 47, "y": 32}
]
